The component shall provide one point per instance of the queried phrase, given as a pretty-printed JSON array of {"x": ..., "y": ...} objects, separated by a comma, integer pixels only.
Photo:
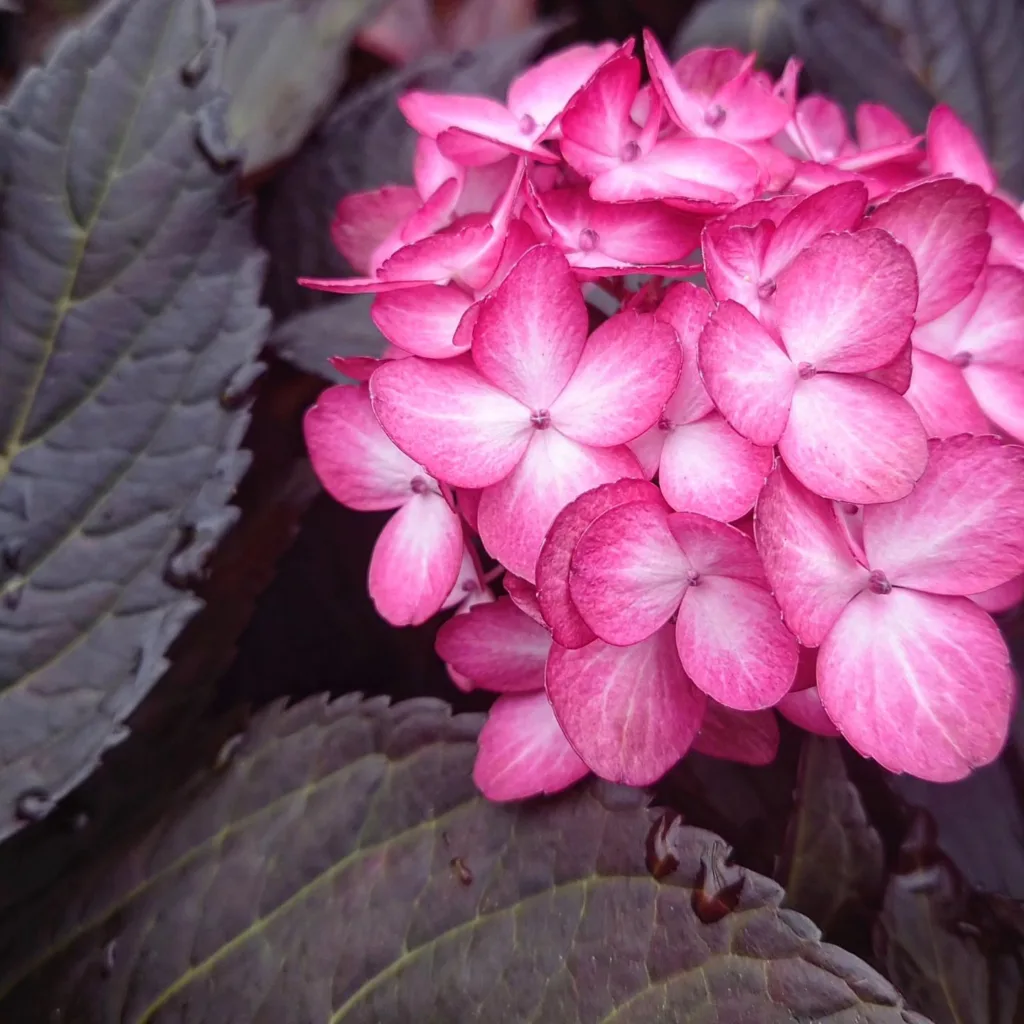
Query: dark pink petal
[
  {"x": 733, "y": 643},
  {"x": 685, "y": 108},
  {"x": 544, "y": 90},
  {"x": 1000, "y": 393},
  {"x": 961, "y": 530},
  {"x": 714, "y": 548},
  {"x": 707, "y": 172},
  {"x": 1002, "y": 598},
  {"x": 944, "y": 224},
  {"x": 516, "y": 513},
  {"x": 707, "y": 467},
  {"x": 357, "y": 285},
  {"x": 364, "y": 221},
  {"x": 803, "y": 708},
  {"x": 530, "y": 333},
  {"x": 833, "y": 209},
  {"x": 355, "y": 460},
  {"x": 878, "y": 127},
  {"x": 524, "y": 596},
  {"x": 853, "y": 439},
  {"x": 749, "y": 377},
  {"x": 820, "y": 125},
  {"x": 359, "y": 368},
  {"x": 809, "y": 564},
  {"x": 467, "y": 502},
  {"x": 953, "y": 149},
  {"x": 523, "y": 752},
  {"x": 627, "y": 372},
  {"x": 919, "y": 682},
  {"x": 597, "y": 122},
  {"x": 896, "y": 373},
  {"x": 416, "y": 561},
  {"x": 630, "y": 712},
  {"x": 553, "y": 566},
  {"x": 750, "y": 737},
  {"x": 846, "y": 303},
  {"x": 422, "y": 320},
  {"x": 496, "y": 646},
  {"x": 993, "y": 333},
  {"x": 687, "y": 308},
  {"x": 941, "y": 398},
  {"x": 451, "y": 420},
  {"x": 478, "y": 148},
  {"x": 628, "y": 575},
  {"x": 752, "y": 111},
  {"x": 733, "y": 257},
  {"x": 431, "y": 113}
]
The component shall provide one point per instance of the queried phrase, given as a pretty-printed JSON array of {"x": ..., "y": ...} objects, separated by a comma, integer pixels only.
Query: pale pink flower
[{"x": 912, "y": 672}]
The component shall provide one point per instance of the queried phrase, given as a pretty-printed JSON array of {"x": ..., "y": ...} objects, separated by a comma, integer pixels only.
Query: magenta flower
[
  {"x": 417, "y": 558},
  {"x": 911, "y": 671},
  {"x": 843, "y": 307},
  {"x": 702, "y": 464},
  {"x": 539, "y": 412}
]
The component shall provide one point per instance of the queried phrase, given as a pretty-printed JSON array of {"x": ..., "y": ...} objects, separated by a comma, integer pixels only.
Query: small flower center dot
[
  {"x": 962, "y": 359},
  {"x": 692, "y": 577},
  {"x": 766, "y": 289},
  {"x": 850, "y": 509},
  {"x": 664, "y": 423},
  {"x": 588, "y": 240},
  {"x": 527, "y": 125},
  {"x": 630, "y": 152},
  {"x": 806, "y": 370},
  {"x": 878, "y": 584},
  {"x": 541, "y": 419},
  {"x": 419, "y": 485},
  {"x": 714, "y": 115}
]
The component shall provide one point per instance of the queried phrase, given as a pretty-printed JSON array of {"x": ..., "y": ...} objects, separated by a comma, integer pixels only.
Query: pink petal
[
  {"x": 451, "y": 420},
  {"x": 1007, "y": 230},
  {"x": 708, "y": 172},
  {"x": 365, "y": 220},
  {"x": 416, "y": 560},
  {"x": 422, "y": 320},
  {"x": 358, "y": 368},
  {"x": 895, "y": 374},
  {"x": 803, "y": 708},
  {"x": 847, "y": 302},
  {"x": 941, "y": 398},
  {"x": 919, "y": 682},
  {"x": 961, "y": 530},
  {"x": 628, "y": 575},
  {"x": 496, "y": 646},
  {"x": 1002, "y": 598},
  {"x": 482, "y": 147},
  {"x": 718, "y": 549},
  {"x": 516, "y": 513},
  {"x": 543, "y": 91},
  {"x": 733, "y": 258},
  {"x": 648, "y": 448},
  {"x": 807, "y": 560},
  {"x": 597, "y": 122},
  {"x": 1000, "y": 393},
  {"x": 524, "y": 596},
  {"x": 953, "y": 149},
  {"x": 749, "y": 377},
  {"x": 733, "y": 644},
  {"x": 707, "y": 467},
  {"x": 530, "y": 333},
  {"x": 995, "y": 328},
  {"x": 682, "y": 106},
  {"x": 630, "y": 712},
  {"x": 821, "y": 127},
  {"x": 355, "y": 460},
  {"x": 853, "y": 439},
  {"x": 627, "y": 372},
  {"x": 441, "y": 257},
  {"x": 467, "y": 502},
  {"x": 836, "y": 208},
  {"x": 878, "y": 126},
  {"x": 523, "y": 752},
  {"x": 567, "y": 627},
  {"x": 745, "y": 737},
  {"x": 469, "y": 588},
  {"x": 357, "y": 285},
  {"x": 944, "y": 224},
  {"x": 687, "y": 308},
  {"x": 431, "y": 113}
]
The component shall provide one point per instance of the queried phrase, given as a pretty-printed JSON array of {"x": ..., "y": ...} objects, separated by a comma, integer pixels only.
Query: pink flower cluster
[{"x": 792, "y": 488}]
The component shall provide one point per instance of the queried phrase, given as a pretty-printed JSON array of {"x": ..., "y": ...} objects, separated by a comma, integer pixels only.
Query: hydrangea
[{"x": 791, "y": 488}]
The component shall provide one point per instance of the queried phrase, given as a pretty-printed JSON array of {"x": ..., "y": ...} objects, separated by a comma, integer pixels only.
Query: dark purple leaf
[
  {"x": 129, "y": 288},
  {"x": 339, "y": 866},
  {"x": 834, "y": 857}
]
